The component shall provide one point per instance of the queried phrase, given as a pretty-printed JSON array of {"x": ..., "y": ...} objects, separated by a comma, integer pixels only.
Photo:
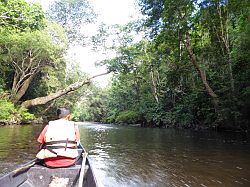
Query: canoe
[{"x": 41, "y": 176}]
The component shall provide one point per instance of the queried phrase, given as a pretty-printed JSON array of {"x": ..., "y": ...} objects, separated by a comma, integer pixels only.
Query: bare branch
[{"x": 17, "y": 66}]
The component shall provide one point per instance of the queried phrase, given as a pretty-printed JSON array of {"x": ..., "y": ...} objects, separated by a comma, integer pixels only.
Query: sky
[{"x": 109, "y": 12}]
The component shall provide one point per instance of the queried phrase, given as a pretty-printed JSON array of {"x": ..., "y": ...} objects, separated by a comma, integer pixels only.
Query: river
[{"x": 133, "y": 156}]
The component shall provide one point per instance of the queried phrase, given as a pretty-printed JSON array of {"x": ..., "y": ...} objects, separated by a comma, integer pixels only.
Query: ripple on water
[{"x": 126, "y": 156}]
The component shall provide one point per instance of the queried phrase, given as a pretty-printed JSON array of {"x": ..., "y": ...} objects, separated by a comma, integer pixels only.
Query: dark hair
[{"x": 62, "y": 112}]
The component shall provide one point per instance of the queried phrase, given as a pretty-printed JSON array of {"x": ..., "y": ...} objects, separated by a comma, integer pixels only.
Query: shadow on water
[{"x": 132, "y": 156}]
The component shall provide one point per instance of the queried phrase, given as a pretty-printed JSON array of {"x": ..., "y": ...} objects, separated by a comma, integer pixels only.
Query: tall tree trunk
[
  {"x": 180, "y": 43},
  {"x": 19, "y": 94},
  {"x": 25, "y": 70},
  {"x": 224, "y": 34},
  {"x": 154, "y": 86},
  {"x": 53, "y": 96},
  {"x": 231, "y": 72},
  {"x": 214, "y": 97}
]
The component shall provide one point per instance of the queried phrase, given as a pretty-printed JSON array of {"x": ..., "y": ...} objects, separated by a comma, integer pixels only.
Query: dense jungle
[{"x": 184, "y": 63}]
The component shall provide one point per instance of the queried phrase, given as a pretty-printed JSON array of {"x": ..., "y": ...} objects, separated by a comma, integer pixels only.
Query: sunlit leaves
[
  {"x": 21, "y": 16},
  {"x": 161, "y": 67}
]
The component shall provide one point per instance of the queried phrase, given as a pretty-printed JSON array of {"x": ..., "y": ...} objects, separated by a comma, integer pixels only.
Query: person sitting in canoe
[{"x": 59, "y": 140}]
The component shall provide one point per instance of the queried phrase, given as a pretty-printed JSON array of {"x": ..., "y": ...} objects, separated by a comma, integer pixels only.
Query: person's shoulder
[
  {"x": 72, "y": 122},
  {"x": 66, "y": 121},
  {"x": 53, "y": 121}
]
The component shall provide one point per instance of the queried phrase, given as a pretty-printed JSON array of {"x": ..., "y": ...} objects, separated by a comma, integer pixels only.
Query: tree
[
  {"x": 28, "y": 60},
  {"x": 51, "y": 97},
  {"x": 20, "y": 15},
  {"x": 33, "y": 69},
  {"x": 92, "y": 105},
  {"x": 72, "y": 15},
  {"x": 188, "y": 72}
]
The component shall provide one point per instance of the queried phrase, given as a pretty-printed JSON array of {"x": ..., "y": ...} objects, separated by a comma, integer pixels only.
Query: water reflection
[
  {"x": 17, "y": 146},
  {"x": 130, "y": 156}
]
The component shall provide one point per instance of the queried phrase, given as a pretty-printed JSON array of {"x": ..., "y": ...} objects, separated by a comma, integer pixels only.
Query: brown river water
[{"x": 133, "y": 156}]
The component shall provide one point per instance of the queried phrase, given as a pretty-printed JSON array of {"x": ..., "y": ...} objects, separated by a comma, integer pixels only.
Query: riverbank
[
  {"x": 194, "y": 127},
  {"x": 19, "y": 122},
  {"x": 179, "y": 126}
]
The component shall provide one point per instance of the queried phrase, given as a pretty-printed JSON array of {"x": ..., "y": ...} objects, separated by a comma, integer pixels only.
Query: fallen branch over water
[{"x": 53, "y": 96}]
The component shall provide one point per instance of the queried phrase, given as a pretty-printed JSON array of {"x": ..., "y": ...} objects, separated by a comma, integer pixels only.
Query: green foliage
[
  {"x": 19, "y": 15},
  {"x": 32, "y": 51},
  {"x": 72, "y": 15},
  {"x": 91, "y": 106},
  {"x": 25, "y": 62},
  {"x": 158, "y": 79},
  {"x": 8, "y": 112},
  {"x": 109, "y": 119},
  {"x": 18, "y": 45},
  {"x": 127, "y": 117},
  {"x": 25, "y": 115}
]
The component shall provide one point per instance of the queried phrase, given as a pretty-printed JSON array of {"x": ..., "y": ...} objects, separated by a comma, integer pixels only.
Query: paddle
[
  {"x": 84, "y": 157},
  {"x": 26, "y": 167}
]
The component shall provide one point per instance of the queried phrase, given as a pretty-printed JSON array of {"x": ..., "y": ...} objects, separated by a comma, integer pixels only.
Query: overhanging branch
[{"x": 53, "y": 96}]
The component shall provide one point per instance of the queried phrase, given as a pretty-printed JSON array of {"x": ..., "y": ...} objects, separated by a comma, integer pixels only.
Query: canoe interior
[{"x": 41, "y": 176}]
